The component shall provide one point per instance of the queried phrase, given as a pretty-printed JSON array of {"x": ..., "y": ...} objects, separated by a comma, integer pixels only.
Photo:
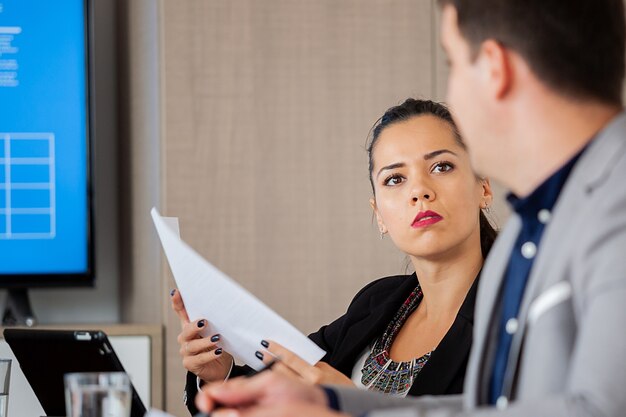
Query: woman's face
[{"x": 426, "y": 195}]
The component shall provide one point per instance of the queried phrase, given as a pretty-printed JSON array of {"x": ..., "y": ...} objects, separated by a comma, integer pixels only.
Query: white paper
[{"x": 238, "y": 316}]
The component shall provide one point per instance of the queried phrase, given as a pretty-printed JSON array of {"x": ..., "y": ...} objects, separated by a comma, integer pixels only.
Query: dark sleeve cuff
[
  {"x": 333, "y": 400},
  {"x": 244, "y": 370}
]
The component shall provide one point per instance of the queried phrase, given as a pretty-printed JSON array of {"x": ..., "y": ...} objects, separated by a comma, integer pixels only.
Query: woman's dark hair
[{"x": 412, "y": 108}]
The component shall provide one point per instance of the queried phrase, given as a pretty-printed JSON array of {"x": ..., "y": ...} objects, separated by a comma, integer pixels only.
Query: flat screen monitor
[{"x": 46, "y": 234}]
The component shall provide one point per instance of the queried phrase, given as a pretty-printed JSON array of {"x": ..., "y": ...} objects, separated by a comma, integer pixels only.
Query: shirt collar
[{"x": 545, "y": 195}]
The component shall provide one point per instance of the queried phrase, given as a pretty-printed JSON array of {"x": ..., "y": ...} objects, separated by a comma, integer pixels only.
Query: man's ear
[
  {"x": 496, "y": 68},
  {"x": 379, "y": 220}
]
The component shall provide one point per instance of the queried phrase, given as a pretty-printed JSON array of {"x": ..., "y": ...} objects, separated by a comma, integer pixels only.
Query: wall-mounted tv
[{"x": 46, "y": 234}]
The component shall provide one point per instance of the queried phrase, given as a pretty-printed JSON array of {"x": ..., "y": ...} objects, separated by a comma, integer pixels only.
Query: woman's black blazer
[{"x": 369, "y": 313}]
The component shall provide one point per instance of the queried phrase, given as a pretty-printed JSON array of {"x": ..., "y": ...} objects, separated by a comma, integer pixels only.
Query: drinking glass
[
  {"x": 98, "y": 394},
  {"x": 5, "y": 379}
]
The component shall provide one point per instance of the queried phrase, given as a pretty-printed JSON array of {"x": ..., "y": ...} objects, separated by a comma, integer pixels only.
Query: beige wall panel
[
  {"x": 441, "y": 70},
  {"x": 267, "y": 106}
]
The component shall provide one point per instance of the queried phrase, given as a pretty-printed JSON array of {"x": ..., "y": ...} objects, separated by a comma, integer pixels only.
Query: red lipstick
[{"x": 426, "y": 218}]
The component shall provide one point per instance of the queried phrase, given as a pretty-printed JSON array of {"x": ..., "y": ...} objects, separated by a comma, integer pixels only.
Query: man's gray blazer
[{"x": 568, "y": 356}]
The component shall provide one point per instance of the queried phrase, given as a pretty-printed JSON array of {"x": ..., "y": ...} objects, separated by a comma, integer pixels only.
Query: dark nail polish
[
  {"x": 201, "y": 323},
  {"x": 215, "y": 338},
  {"x": 172, "y": 292},
  {"x": 265, "y": 343},
  {"x": 259, "y": 355},
  {"x": 218, "y": 351}
]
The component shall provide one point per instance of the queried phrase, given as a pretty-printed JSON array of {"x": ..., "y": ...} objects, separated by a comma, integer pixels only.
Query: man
[{"x": 536, "y": 89}]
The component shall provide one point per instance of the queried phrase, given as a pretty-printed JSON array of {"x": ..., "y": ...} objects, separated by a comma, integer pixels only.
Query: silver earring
[
  {"x": 487, "y": 209},
  {"x": 382, "y": 235}
]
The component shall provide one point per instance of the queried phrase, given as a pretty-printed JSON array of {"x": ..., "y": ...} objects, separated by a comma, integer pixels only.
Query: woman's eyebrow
[
  {"x": 392, "y": 166},
  {"x": 428, "y": 156},
  {"x": 434, "y": 154}
]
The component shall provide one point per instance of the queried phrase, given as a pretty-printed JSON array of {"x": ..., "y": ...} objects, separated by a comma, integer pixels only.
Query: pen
[{"x": 267, "y": 367}]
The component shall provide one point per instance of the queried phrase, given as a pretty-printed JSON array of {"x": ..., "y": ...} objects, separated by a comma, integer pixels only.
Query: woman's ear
[
  {"x": 487, "y": 193},
  {"x": 379, "y": 220}
]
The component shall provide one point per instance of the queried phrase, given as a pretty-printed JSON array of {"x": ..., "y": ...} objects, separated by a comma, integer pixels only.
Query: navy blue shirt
[
  {"x": 333, "y": 400},
  {"x": 535, "y": 211}
]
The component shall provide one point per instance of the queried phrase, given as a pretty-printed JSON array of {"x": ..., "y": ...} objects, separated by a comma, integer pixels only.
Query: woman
[{"x": 406, "y": 334}]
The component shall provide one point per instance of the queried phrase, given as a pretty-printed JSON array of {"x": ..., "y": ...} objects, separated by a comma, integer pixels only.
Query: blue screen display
[{"x": 44, "y": 212}]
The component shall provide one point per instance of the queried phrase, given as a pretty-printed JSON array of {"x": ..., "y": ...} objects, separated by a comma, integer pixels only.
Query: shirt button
[
  {"x": 511, "y": 326},
  {"x": 502, "y": 402},
  {"x": 529, "y": 249},
  {"x": 544, "y": 216}
]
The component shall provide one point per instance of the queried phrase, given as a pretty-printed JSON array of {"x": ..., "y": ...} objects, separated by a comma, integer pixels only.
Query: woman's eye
[
  {"x": 394, "y": 180},
  {"x": 442, "y": 167}
]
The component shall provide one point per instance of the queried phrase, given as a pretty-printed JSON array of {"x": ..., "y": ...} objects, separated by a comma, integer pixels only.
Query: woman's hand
[
  {"x": 201, "y": 355},
  {"x": 293, "y": 365}
]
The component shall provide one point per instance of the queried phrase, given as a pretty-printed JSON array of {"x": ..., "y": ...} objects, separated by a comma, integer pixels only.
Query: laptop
[{"x": 46, "y": 355}]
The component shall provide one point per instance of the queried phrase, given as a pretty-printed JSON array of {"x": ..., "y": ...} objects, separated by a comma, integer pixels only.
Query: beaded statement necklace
[{"x": 381, "y": 373}]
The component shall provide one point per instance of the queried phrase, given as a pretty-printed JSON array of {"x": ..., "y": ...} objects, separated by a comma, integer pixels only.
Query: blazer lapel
[
  {"x": 450, "y": 357},
  {"x": 371, "y": 325},
  {"x": 486, "y": 301}
]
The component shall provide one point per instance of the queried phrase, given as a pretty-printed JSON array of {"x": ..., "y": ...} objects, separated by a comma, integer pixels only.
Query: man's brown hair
[{"x": 576, "y": 47}]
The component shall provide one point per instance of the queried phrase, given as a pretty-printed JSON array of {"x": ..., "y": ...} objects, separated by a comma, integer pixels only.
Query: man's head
[
  {"x": 516, "y": 65},
  {"x": 576, "y": 47}
]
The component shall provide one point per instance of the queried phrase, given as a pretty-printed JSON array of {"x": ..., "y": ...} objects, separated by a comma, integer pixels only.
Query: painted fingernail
[
  {"x": 201, "y": 323},
  {"x": 265, "y": 343},
  {"x": 218, "y": 351},
  {"x": 215, "y": 338},
  {"x": 172, "y": 292},
  {"x": 259, "y": 355}
]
